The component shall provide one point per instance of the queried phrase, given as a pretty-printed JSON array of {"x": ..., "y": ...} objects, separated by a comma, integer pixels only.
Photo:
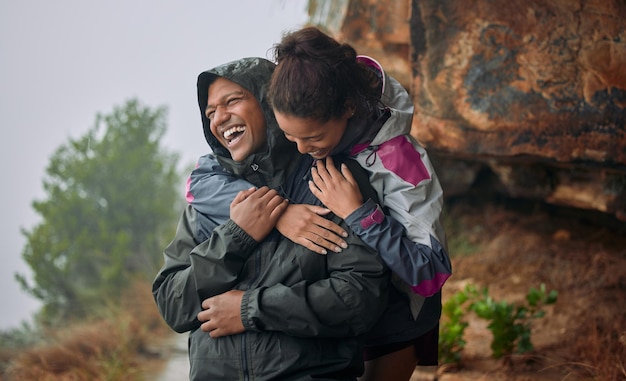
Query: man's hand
[
  {"x": 222, "y": 314},
  {"x": 304, "y": 225},
  {"x": 257, "y": 210},
  {"x": 339, "y": 191}
]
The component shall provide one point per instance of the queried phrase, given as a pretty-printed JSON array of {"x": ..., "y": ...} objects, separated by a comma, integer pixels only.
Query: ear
[{"x": 350, "y": 108}]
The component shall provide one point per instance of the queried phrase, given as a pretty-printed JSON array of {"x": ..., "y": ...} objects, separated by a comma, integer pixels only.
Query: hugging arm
[
  {"x": 198, "y": 268},
  {"x": 410, "y": 238},
  {"x": 211, "y": 188},
  {"x": 340, "y": 295},
  {"x": 347, "y": 303}
]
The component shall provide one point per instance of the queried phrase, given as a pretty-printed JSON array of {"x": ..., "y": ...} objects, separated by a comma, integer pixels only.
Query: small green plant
[
  {"x": 510, "y": 324},
  {"x": 452, "y": 328}
]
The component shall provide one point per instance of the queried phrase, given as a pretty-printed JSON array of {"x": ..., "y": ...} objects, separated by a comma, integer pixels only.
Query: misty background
[{"x": 63, "y": 62}]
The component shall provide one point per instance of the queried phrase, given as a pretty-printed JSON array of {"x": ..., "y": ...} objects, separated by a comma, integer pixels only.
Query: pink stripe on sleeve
[
  {"x": 432, "y": 286},
  {"x": 188, "y": 195}
]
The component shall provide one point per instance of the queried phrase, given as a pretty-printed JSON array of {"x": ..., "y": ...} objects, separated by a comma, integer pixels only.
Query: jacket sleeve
[
  {"x": 211, "y": 188},
  {"x": 347, "y": 303},
  {"x": 193, "y": 271},
  {"x": 412, "y": 242}
]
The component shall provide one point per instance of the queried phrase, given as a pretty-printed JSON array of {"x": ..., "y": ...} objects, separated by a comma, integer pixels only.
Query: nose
[
  {"x": 220, "y": 115},
  {"x": 302, "y": 146}
]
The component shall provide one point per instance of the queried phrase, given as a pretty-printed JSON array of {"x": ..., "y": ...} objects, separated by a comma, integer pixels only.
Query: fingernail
[
  {"x": 337, "y": 249},
  {"x": 323, "y": 251},
  {"x": 344, "y": 245},
  {"x": 344, "y": 234}
]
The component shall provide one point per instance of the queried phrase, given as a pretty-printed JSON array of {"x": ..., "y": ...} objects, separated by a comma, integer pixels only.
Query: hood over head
[{"x": 252, "y": 73}]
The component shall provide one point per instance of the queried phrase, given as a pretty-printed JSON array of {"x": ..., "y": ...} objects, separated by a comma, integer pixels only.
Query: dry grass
[{"x": 115, "y": 347}]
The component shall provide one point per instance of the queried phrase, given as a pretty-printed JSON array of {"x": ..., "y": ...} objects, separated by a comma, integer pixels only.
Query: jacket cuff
[
  {"x": 366, "y": 215},
  {"x": 245, "y": 300},
  {"x": 243, "y": 238},
  {"x": 250, "y": 310}
]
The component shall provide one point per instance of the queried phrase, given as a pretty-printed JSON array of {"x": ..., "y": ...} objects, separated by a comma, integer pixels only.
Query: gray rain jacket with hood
[{"x": 305, "y": 314}]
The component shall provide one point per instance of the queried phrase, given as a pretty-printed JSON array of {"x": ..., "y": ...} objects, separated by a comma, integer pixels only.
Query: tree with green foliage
[{"x": 111, "y": 206}]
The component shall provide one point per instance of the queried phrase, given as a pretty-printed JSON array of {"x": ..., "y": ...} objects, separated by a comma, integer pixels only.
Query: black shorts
[
  {"x": 426, "y": 348},
  {"x": 397, "y": 329}
]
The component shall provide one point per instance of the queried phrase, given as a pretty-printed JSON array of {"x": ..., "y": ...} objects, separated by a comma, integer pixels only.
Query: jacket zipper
[
  {"x": 244, "y": 358},
  {"x": 244, "y": 352},
  {"x": 257, "y": 271}
]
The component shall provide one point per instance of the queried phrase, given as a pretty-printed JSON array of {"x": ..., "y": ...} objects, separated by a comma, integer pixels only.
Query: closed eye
[
  {"x": 308, "y": 139},
  {"x": 230, "y": 102}
]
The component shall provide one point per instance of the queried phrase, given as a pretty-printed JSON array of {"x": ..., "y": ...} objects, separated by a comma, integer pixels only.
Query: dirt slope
[{"x": 511, "y": 246}]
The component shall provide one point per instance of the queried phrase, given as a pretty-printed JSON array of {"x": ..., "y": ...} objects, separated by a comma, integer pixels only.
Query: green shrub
[
  {"x": 509, "y": 324},
  {"x": 452, "y": 328}
]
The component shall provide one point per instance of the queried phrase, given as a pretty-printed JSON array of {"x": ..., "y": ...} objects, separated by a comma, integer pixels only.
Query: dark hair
[{"x": 318, "y": 78}]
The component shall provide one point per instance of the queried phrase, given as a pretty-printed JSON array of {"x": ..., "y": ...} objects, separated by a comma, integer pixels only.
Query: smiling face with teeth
[{"x": 237, "y": 119}]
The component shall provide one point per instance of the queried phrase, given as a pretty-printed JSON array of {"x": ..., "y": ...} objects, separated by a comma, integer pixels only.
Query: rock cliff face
[{"x": 533, "y": 91}]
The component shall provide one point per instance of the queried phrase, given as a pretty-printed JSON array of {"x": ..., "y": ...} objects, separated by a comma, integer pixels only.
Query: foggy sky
[{"x": 64, "y": 61}]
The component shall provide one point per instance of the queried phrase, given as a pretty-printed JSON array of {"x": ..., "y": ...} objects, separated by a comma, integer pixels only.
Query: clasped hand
[{"x": 222, "y": 314}]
